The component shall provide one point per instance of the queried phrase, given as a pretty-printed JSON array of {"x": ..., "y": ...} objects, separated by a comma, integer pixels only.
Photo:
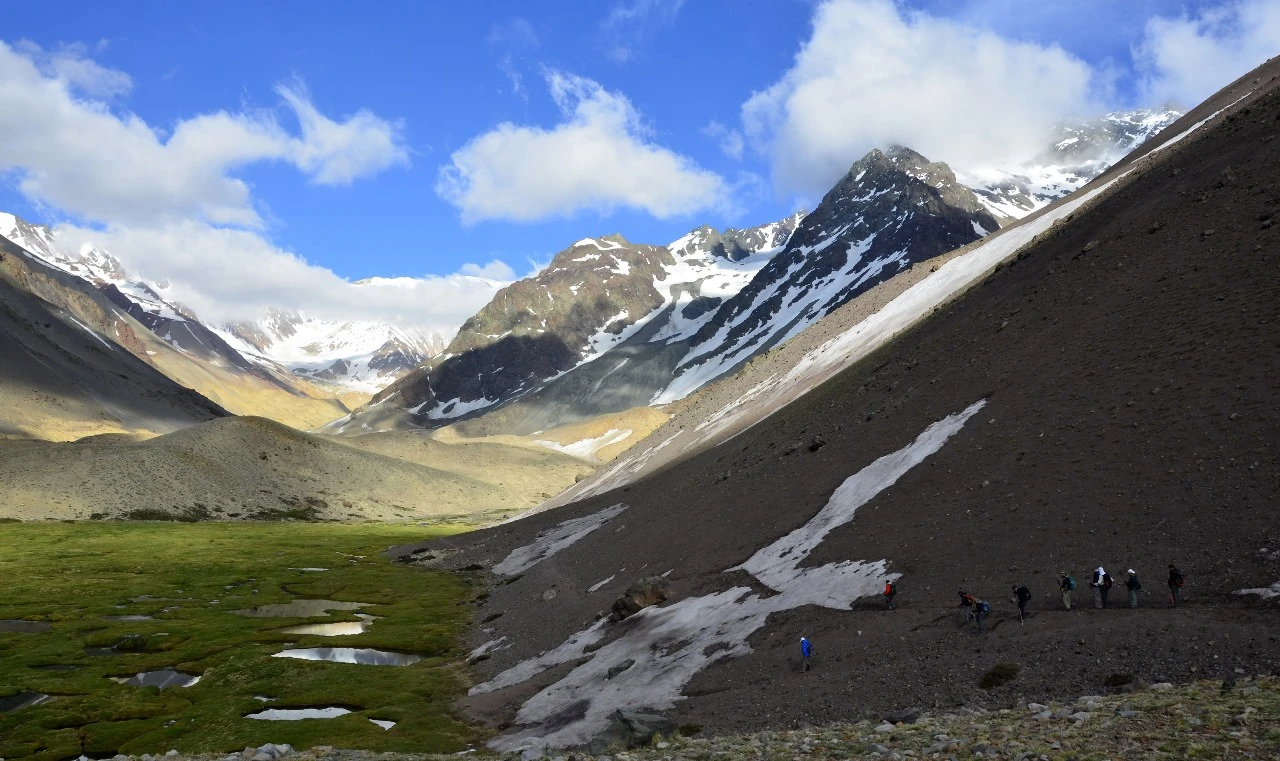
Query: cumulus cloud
[
  {"x": 169, "y": 205},
  {"x": 76, "y": 154},
  {"x": 1190, "y": 57},
  {"x": 872, "y": 74},
  {"x": 601, "y": 157},
  {"x": 228, "y": 274}
]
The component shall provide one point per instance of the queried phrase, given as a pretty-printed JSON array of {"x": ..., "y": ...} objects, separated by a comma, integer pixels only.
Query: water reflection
[
  {"x": 362, "y": 656},
  {"x": 339, "y": 629},
  {"x": 298, "y": 609},
  {"x": 25, "y": 627},
  {"x": 295, "y": 714},
  {"x": 162, "y": 678},
  {"x": 23, "y": 700}
]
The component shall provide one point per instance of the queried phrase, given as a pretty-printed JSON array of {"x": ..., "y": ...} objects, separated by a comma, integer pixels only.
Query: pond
[
  {"x": 25, "y": 627},
  {"x": 338, "y": 629},
  {"x": 361, "y": 656},
  {"x": 23, "y": 700},
  {"x": 162, "y": 678},
  {"x": 299, "y": 609},
  {"x": 297, "y": 714},
  {"x": 128, "y": 618}
]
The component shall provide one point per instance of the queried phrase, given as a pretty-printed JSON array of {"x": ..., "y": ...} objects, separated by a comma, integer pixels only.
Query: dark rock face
[
  {"x": 652, "y": 590},
  {"x": 890, "y": 211}
]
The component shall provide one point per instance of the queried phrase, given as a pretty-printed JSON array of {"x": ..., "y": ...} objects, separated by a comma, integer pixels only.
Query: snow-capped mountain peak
[{"x": 1077, "y": 154}]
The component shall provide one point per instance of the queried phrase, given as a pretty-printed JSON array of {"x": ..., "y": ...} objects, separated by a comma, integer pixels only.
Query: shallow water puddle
[
  {"x": 162, "y": 678},
  {"x": 128, "y": 618},
  {"x": 25, "y": 627},
  {"x": 308, "y": 570},
  {"x": 338, "y": 629},
  {"x": 383, "y": 723},
  {"x": 23, "y": 700},
  {"x": 56, "y": 667},
  {"x": 298, "y": 609},
  {"x": 361, "y": 656},
  {"x": 297, "y": 714}
]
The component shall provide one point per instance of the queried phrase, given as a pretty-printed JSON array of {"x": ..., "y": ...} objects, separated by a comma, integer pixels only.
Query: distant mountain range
[
  {"x": 610, "y": 324},
  {"x": 349, "y": 356}
]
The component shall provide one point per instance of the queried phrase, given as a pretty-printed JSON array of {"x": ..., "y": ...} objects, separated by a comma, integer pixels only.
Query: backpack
[
  {"x": 1023, "y": 594},
  {"x": 1133, "y": 583},
  {"x": 984, "y": 607},
  {"x": 1069, "y": 584},
  {"x": 1179, "y": 579},
  {"x": 1107, "y": 581}
]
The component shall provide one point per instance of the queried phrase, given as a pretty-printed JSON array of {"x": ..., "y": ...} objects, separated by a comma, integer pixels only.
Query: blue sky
[{"x": 704, "y": 100}]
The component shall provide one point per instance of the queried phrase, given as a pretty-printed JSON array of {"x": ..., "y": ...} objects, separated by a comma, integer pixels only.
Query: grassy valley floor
[{"x": 187, "y": 578}]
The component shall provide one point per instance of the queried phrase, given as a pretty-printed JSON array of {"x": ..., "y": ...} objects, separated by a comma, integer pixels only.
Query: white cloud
[
  {"x": 600, "y": 157},
  {"x": 228, "y": 274},
  {"x": 872, "y": 74},
  {"x": 730, "y": 141},
  {"x": 629, "y": 23},
  {"x": 78, "y": 155},
  {"x": 167, "y": 203},
  {"x": 1188, "y": 58},
  {"x": 70, "y": 64},
  {"x": 494, "y": 270}
]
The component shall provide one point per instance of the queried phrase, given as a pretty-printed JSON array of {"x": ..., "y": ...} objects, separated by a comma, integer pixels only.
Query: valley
[{"x": 941, "y": 344}]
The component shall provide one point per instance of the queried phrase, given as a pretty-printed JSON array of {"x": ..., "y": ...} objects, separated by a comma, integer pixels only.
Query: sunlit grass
[{"x": 74, "y": 574}]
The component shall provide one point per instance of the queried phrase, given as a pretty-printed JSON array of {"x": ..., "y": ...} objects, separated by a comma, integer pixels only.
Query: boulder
[
  {"x": 902, "y": 716},
  {"x": 631, "y": 729},
  {"x": 640, "y": 595}
]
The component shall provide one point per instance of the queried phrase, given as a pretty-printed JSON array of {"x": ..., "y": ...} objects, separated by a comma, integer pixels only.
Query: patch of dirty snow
[
  {"x": 587, "y": 448},
  {"x": 555, "y": 539},
  {"x": 599, "y": 584},
  {"x": 1265, "y": 593}
]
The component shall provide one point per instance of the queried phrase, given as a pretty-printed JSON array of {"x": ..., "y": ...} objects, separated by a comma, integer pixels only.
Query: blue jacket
[{"x": 805, "y": 648}]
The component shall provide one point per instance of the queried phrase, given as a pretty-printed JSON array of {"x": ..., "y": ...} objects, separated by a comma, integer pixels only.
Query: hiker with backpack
[
  {"x": 1099, "y": 597},
  {"x": 980, "y": 611},
  {"x": 1134, "y": 585},
  {"x": 1022, "y": 596},
  {"x": 890, "y": 591},
  {"x": 967, "y": 601},
  {"x": 1066, "y": 585},
  {"x": 1107, "y": 583},
  {"x": 806, "y": 652},
  {"x": 1176, "y": 580}
]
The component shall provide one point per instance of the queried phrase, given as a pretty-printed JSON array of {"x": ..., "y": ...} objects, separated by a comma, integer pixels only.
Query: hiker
[
  {"x": 980, "y": 611},
  {"x": 1067, "y": 585},
  {"x": 806, "y": 651},
  {"x": 1099, "y": 576},
  {"x": 1176, "y": 580},
  {"x": 1134, "y": 585},
  {"x": 1022, "y": 596},
  {"x": 890, "y": 591},
  {"x": 967, "y": 602},
  {"x": 1107, "y": 583}
]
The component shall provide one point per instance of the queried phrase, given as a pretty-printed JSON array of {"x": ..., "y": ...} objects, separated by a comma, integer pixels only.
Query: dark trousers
[
  {"x": 888, "y": 602},
  {"x": 1105, "y": 592},
  {"x": 979, "y": 616},
  {"x": 1175, "y": 595}
]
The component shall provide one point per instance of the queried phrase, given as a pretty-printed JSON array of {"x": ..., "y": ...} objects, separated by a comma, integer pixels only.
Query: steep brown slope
[
  {"x": 1127, "y": 359},
  {"x": 219, "y": 374},
  {"x": 61, "y": 379}
]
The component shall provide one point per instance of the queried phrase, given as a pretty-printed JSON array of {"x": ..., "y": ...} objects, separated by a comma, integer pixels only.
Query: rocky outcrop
[{"x": 652, "y": 590}]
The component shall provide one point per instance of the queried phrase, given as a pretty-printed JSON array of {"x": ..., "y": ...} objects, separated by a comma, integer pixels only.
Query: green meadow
[{"x": 188, "y": 577}]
